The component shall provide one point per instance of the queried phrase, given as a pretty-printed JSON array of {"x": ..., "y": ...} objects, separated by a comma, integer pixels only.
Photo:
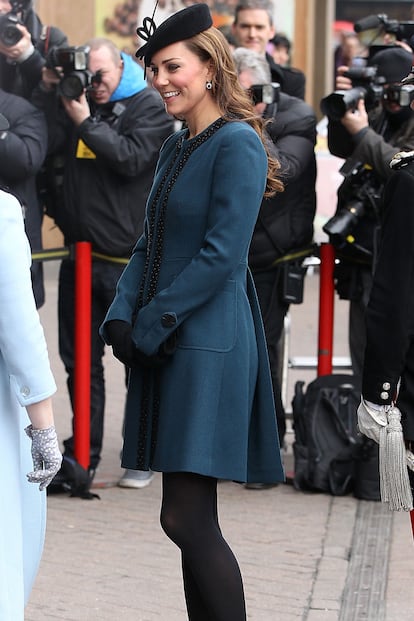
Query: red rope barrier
[
  {"x": 326, "y": 309},
  {"x": 82, "y": 386}
]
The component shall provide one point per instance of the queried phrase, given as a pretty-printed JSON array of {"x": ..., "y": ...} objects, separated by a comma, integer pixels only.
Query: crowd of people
[{"x": 191, "y": 170}]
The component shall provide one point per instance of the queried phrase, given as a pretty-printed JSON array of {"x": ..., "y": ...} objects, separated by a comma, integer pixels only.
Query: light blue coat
[
  {"x": 210, "y": 409},
  {"x": 25, "y": 378}
]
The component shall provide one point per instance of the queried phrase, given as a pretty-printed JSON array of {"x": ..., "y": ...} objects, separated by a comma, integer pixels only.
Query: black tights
[{"x": 212, "y": 582}]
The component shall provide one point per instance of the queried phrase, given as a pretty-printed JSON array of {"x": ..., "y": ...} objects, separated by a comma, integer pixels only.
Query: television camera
[{"x": 370, "y": 28}]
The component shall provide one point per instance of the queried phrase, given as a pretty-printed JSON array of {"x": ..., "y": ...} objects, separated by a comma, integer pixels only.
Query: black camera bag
[{"x": 330, "y": 455}]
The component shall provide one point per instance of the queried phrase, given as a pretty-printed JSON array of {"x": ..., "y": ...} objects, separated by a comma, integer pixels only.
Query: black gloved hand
[{"x": 120, "y": 337}]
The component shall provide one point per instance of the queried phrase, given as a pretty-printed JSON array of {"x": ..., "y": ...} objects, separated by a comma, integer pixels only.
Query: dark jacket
[
  {"x": 286, "y": 220},
  {"x": 21, "y": 78},
  {"x": 389, "y": 352},
  {"x": 23, "y": 147},
  {"x": 22, "y": 151},
  {"x": 367, "y": 154},
  {"x": 104, "y": 196},
  {"x": 292, "y": 81}
]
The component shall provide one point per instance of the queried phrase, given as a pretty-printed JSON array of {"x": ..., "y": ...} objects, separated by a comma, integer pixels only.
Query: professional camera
[
  {"x": 374, "y": 26},
  {"x": 340, "y": 226},
  {"x": 73, "y": 62},
  {"x": 401, "y": 94},
  {"x": 9, "y": 33},
  {"x": 265, "y": 93},
  {"x": 365, "y": 84},
  {"x": 364, "y": 195}
]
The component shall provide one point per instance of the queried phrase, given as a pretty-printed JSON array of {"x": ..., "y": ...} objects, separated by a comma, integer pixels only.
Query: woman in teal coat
[{"x": 185, "y": 318}]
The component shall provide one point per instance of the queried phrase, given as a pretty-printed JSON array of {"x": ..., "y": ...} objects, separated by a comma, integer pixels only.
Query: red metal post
[
  {"x": 82, "y": 384},
  {"x": 326, "y": 309}
]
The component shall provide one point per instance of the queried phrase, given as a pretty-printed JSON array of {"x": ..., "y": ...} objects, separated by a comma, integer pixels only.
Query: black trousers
[
  {"x": 269, "y": 287},
  {"x": 105, "y": 276}
]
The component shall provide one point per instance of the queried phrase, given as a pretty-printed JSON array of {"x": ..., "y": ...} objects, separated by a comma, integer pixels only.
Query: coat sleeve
[
  {"x": 241, "y": 165},
  {"x": 22, "y": 343},
  {"x": 389, "y": 316},
  {"x": 127, "y": 290},
  {"x": 375, "y": 151}
]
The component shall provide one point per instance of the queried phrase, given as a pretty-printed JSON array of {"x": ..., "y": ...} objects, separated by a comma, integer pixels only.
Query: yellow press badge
[{"x": 84, "y": 152}]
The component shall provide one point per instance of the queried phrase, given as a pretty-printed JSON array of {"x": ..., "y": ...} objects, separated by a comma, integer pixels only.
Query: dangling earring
[{"x": 209, "y": 85}]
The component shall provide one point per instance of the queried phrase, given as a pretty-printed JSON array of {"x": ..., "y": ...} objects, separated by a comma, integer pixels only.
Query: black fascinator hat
[{"x": 180, "y": 26}]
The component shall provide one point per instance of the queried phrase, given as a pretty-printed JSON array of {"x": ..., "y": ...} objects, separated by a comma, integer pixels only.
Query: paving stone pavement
[{"x": 304, "y": 557}]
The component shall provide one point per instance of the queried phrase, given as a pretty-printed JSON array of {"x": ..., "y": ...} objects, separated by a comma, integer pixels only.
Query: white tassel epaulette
[
  {"x": 401, "y": 159},
  {"x": 393, "y": 458}
]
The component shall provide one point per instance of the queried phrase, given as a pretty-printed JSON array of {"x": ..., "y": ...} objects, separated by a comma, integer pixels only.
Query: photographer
[
  {"x": 285, "y": 223},
  {"x": 368, "y": 141},
  {"x": 109, "y": 135},
  {"x": 24, "y": 43}
]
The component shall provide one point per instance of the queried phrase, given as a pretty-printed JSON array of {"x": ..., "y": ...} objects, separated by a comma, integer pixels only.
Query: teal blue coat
[{"x": 209, "y": 409}]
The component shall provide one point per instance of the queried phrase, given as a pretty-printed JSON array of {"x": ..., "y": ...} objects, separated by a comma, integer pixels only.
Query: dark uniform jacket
[
  {"x": 389, "y": 353},
  {"x": 286, "y": 220}
]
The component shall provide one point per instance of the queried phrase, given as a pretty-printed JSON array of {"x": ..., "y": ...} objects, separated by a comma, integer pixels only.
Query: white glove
[
  {"x": 371, "y": 419},
  {"x": 46, "y": 455}
]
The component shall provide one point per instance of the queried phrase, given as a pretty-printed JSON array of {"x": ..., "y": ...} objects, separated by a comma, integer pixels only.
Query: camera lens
[
  {"x": 10, "y": 35},
  {"x": 337, "y": 103},
  {"x": 73, "y": 85},
  {"x": 340, "y": 226}
]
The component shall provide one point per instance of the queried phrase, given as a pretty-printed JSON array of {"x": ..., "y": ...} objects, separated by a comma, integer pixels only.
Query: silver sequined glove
[{"x": 46, "y": 455}]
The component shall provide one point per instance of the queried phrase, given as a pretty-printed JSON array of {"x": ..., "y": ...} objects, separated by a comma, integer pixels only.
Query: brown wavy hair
[{"x": 235, "y": 104}]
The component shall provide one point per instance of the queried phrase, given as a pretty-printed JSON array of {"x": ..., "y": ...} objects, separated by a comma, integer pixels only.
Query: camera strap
[{"x": 45, "y": 36}]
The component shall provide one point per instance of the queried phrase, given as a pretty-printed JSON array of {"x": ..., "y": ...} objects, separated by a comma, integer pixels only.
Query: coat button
[
  {"x": 25, "y": 391},
  {"x": 386, "y": 385},
  {"x": 168, "y": 320},
  {"x": 384, "y": 395}
]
